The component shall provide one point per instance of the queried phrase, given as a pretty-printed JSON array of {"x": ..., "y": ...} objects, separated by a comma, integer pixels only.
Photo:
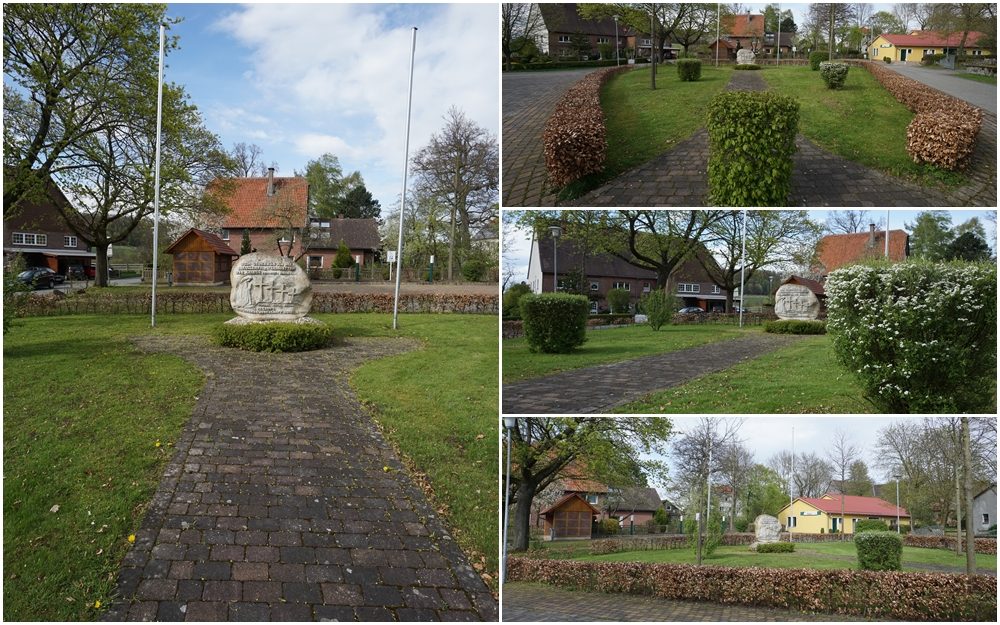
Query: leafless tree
[
  {"x": 248, "y": 161},
  {"x": 850, "y": 221},
  {"x": 842, "y": 453},
  {"x": 735, "y": 462},
  {"x": 519, "y": 22},
  {"x": 811, "y": 477},
  {"x": 906, "y": 12}
]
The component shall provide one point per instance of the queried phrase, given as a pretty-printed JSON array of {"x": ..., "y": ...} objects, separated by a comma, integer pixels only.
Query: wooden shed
[
  {"x": 201, "y": 259},
  {"x": 569, "y": 518}
]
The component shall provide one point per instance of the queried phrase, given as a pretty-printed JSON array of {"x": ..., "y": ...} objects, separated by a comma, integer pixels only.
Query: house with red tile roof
[
  {"x": 745, "y": 31},
  {"x": 837, "y": 250},
  {"x": 913, "y": 46},
  {"x": 821, "y": 515}
]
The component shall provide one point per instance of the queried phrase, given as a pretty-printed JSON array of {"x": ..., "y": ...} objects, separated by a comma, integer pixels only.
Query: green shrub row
[
  {"x": 679, "y": 541},
  {"x": 554, "y": 323},
  {"x": 795, "y": 326},
  {"x": 751, "y": 143},
  {"x": 920, "y": 336},
  {"x": 543, "y": 65},
  {"x": 776, "y": 548},
  {"x": 834, "y": 74},
  {"x": 689, "y": 69},
  {"x": 879, "y": 551},
  {"x": 869, "y": 594},
  {"x": 931, "y": 59},
  {"x": 747, "y": 67},
  {"x": 815, "y": 58},
  {"x": 871, "y": 525},
  {"x": 511, "y": 300},
  {"x": 274, "y": 337}
]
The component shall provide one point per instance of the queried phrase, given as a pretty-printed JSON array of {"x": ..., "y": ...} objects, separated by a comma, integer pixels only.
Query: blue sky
[
  {"x": 520, "y": 247},
  {"x": 300, "y": 80}
]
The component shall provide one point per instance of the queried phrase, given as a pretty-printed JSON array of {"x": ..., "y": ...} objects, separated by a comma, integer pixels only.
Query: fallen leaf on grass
[{"x": 54, "y": 509}]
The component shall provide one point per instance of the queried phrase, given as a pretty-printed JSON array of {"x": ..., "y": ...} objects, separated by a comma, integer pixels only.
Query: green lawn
[
  {"x": 801, "y": 378},
  {"x": 990, "y": 80},
  {"x": 642, "y": 123},
  {"x": 83, "y": 411},
  {"x": 861, "y": 122},
  {"x": 806, "y": 555},
  {"x": 613, "y": 345}
]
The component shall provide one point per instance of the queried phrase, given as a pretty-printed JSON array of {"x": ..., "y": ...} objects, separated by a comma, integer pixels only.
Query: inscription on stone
[
  {"x": 269, "y": 288},
  {"x": 745, "y": 56},
  {"x": 768, "y": 530},
  {"x": 794, "y": 301}
]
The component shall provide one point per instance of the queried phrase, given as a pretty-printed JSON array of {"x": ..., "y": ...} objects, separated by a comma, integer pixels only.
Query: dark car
[
  {"x": 690, "y": 310},
  {"x": 40, "y": 277},
  {"x": 80, "y": 272}
]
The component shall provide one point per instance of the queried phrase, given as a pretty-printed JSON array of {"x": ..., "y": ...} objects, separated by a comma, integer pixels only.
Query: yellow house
[
  {"x": 920, "y": 43},
  {"x": 821, "y": 515}
]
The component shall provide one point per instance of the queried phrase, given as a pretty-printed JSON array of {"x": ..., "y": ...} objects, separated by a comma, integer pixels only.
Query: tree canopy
[{"x": 328, "y": 186}]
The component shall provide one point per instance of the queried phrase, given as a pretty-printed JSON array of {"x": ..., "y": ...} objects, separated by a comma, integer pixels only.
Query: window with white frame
[
  {"x": 715, "y": 289},
  {"x": 315, "y": 262},
  {"x": 70, "y": 241},
  {"x": 28, "y": 238},
  {"x": 645, "y": 287},
  {"x": 593, "y": 306},
  {"x": 595, "y": 286},
  {"x": 977, "y": 53},
  {"x": 688, "y": 288},
  {"x": 647, "y": 42},
  {"x": 621, "y": 285},
  {"x": 563, "y": 38},
  {"x": 986, "y": 518},
  {"x": 791, "y": 521},
  {"x": 603, "y": 40},
  {"x": 591, "y": 498}
]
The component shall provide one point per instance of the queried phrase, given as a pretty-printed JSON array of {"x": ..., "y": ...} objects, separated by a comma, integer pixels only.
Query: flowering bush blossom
[{"x": 920, "y": 336}]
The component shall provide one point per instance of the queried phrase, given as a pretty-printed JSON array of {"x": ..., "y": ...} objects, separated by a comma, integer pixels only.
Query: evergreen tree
[
  {"x": 245, "y": 247},
  {"x": 343, "y": 258}
]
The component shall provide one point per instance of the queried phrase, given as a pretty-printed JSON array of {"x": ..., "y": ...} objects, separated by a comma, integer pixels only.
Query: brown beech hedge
[
  {"x": 679, "y": 541},
  {"x": 945, "y": 128},
  {"x": 871, "y": 594},
  {"x": 575, "y": 137}
]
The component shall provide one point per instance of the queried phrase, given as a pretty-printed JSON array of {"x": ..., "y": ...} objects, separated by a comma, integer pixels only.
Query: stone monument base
[{"x": 244, "y": 321}]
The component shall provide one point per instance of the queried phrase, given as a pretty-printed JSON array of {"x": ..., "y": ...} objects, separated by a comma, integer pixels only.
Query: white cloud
[{"x": 312, "y": 144}]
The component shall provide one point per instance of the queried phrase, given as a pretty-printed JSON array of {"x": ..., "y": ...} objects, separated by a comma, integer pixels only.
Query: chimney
[
  {"x": 270, "y": 183},
  {"x": 871, "y": 235}
]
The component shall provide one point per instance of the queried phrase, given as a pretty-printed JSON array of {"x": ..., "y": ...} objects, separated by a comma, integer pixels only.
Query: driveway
[
  {"x": 528, "y": 100},
  {"x": 976, "y": 93}
]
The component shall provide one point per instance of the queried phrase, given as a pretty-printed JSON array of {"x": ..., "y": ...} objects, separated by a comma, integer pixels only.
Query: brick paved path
[
  {"x": 283, "y": 502},
  {"x": 593, "y": 390},
  {"x": 679, "y": 176},
  {"x": 528, "y": 100},
  {"x": 537, "y": 602}
]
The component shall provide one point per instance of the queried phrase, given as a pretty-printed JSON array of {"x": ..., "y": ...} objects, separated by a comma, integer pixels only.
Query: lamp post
[
  {"x": 897, "y": 502},
  {"x": 508, "y": 423},
  {"x": 556, "y": 232},
  {"x": 617, "y": 56}
]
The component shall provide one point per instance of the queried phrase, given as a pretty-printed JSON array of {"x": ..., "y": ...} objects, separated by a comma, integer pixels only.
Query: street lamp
[
  {"x": 897, "y": 502},
  {"x": 617, "y": 61},
  {"x": 509, "y": 423},
  {"x": 555, "y": 232}
]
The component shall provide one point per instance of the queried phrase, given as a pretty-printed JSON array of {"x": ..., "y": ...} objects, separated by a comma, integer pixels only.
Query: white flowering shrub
[
  {"x": 834, "y": 74},
  {"x": 920, "y": 336}
]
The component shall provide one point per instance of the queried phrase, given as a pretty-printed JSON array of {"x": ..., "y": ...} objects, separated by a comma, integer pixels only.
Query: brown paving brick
[
  {"x": 261, "y": 591},
  {"x": 156, "y": 589},
  {"x": 256, "y": 571},
  {"x": 222, "y": 591},
  {"x": 342, "y": 594},
  {"x": 207, "y": 611}
]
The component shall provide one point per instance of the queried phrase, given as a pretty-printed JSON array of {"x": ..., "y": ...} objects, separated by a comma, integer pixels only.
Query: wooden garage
[
  {"x": 569, "y": 518},
  {"x": 201, "y": 259}
]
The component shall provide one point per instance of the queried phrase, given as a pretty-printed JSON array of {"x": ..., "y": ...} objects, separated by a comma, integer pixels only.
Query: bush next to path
[
  {"x": 512, "y": 298},
  {"x": 751, "y": 142},
  {"x": 747, "y": 67},
  {"x": 871, "y": 525},
  {"x": 795, "y": 326},
  {"x": 574, "y": 139},
  {"x": 919, "y": 336},
  {"x": 618, "y": 300},
  {"x": 554, "y": 323},
  {"x": 776, "y": 548},
  {"x": 879, "y": 551},
  {"x": 834, "y": 74},
  {"x": 875, "y": 595},
  {"x": 815, "y": 58},
  {"x": 659, "y": 307},
  {"x": 274, "y": 337},
  {"x": 689, "y": 69}
]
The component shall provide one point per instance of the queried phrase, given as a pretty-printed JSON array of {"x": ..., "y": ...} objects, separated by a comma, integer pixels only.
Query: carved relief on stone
[
  {"x": 269, "y": 288},
  {"x": 794, "y": 301}
]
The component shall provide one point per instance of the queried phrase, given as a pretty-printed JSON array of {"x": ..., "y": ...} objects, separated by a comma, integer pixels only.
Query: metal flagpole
[
  {"x": 743, "y": 263},
  {"x": 779, "y": 35},
  {"x": 708, "y": 505},
  {"x": 156, "y": 180},
  {"x": 718, "y": 17},
  {"x": 791, "y": 490},
  {"x": 509, "y": 424},
  {"x": 887, "y": 233},
  {"x": 402, "y": 197}
]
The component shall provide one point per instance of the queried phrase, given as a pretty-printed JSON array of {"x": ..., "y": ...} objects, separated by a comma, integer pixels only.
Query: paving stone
[
  {"x": 342, "y": 594},
  {"x": 156, "y": 589},
  {"x": 336, "y": 613},
  {"x": 300, "y": 592},
  {"x": 291, "y": 612},
  {"x": 249, "y": 612},
  {"x": 222, "y": 591},
  {"x": 207, "y": 611},
  {"x": 261, "y": 591}
]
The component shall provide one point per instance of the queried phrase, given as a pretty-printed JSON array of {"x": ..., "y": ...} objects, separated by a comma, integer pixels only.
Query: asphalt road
[{"x": 976, "y": 93}]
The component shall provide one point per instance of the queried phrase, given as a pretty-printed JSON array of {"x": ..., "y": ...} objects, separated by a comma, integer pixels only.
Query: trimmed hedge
[
  {"x": 982, "y": 545},
  {"x": 574, "y": 138},
  {"x": 795, "y": 326},
  {"x": 871, "y": 525},
  {"x": 871, "y": 594},
  {"x": 945, "y": 128},
  {"x": 274, "y": 337},
  {"x": 815, "y": 58},
  {"x": 920, "y": 336},
  {"x": 834, "y": 74},
  {"x": 521, "y": 67},
  {"x": 751, "y": 143},
  {"x": 747, "y": 66},
  {"x": 679, "y": 541},
  {"x": 879, "y": 551},
  {"x": 776, "y": 548},
  {"x": 554, "y": 323},
  {"x": 689, "y": 70}
]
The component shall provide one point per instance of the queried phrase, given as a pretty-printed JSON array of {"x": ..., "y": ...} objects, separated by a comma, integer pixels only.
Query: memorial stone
[
  {"x": 745, "y": 57},
  {"x": 767, "y": 529},
  {"x": 794, "y": 301},
  {"x": 269, "y": 288}
]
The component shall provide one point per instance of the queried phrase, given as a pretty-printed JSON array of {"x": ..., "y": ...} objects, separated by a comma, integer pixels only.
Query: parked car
[
  {"x": 691, "y": 310},
  {"x": 41, "y": 277},
  {"x": 79, "y": 272}
]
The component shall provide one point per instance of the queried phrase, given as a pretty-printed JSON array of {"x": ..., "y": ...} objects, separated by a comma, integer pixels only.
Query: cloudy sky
[
  {"x": 801, "y": 10},
  {"x": 519, "y": 250},
  {"x": 300, "y": 80}
]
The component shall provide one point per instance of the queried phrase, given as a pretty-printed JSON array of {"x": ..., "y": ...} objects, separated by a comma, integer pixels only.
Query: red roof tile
[
  {"x": 837, "y": 250},
  {"x": 213, "y": 241},
  {"x": 933, "y": 39},
  {"x": 251, "y": 207},
  {"x": 871, "y": 506},
  {"x": 563, "y": 501},
  {"x": 744, "y": 25}
]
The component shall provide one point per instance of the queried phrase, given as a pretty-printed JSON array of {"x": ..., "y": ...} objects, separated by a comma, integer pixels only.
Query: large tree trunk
[
  {"x": 101, "y": 270},
  {"x": 958, "y": 514},
  {"x": 970, "y": 534},
  {"x": 520, "y": 524}
]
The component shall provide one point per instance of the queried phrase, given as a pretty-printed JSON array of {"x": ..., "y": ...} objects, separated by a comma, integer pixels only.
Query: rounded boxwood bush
[
  {"x": 834, "y": 74},
  {"x": 871, "y": 525},
  {"x": 879, "y": 551},
  {"x": 815, "y": 58},
  {"x": 795, "y": 326},
  {"x": 274, "y": 336},
  {"x": 920, "y": 336},
  {"x": 689, "y": 69},
  {"x": 554, "y": 323},
  {"x": 776, "y": 548},
  {"x": 747, "y": 66}
]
